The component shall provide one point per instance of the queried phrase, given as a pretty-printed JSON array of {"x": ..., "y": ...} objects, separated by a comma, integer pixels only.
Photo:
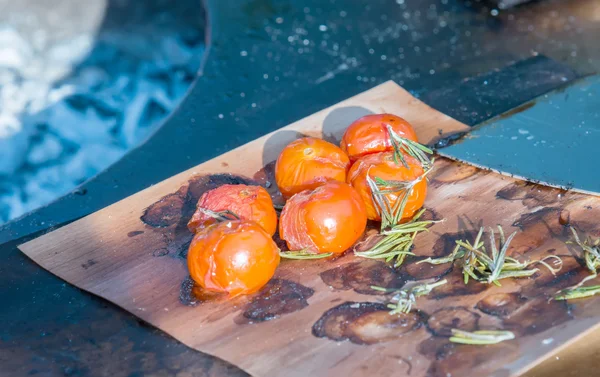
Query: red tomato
[
  {"x": 383, "y": 166},
  {"x": 330, "y": 218},
  {"x": 369, "y": 134},
  {"x": 234, "y": 257},
  {"x": 307, "y": 163},
  {"x": 247, "y": 202}
]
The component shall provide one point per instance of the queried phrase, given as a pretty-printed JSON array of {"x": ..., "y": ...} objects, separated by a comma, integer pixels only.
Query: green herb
[
  {"x": 397, "y": 241},
  {"x": 591, "y": 255},
  {"x": 579, "y": 292},
  {"x": 481, "y": 337},
  {"x": 404, "y": 299},
  {"x": 491, "y": 267},
  {"x": 391, "y": 213},
  {"x": 591, "y": 251},
  {"x": 303, "y": 254},
  {"x": 412, "y": 148},
  {"x": 457, "y": 253}
]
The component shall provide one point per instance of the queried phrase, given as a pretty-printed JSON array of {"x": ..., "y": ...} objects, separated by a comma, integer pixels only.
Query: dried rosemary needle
[
  {"x": 491, "y": 267},
  {"x": 591, "y": 255},
  {"x": 397, "y": 241},
  {"x": 412, "y": 148},
  {"x": 403, "y": 300},
  {"x": 303, "y": 254},
  {"x": 481, "y": 337}
]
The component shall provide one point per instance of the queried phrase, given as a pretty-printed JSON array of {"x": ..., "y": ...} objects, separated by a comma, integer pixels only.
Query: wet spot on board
[
  {"x": 171, "y": 213},
  {"x": 544, "y": 282},
  {"x": 463, "y": 360},
  {"x": 454, "y": 172},
  {"x": 456, "y": 286},
  {"x": 360, "y": 276},
  {"x": 446, "y": 243},
  {"x": 531, "y": 194},
  {"x": 537, "y": 315},
  {"x": 430, "y": 215},
  {"x": 365, "y": 323},
  {"x": 191, "y": 294},
  {"x": 422, "y": 271},
  {"x": 277, "y": 298},
  {"x": 88, "y": 264},
  {"x": 536, "y": 228},
  {"x": 501, "y": 304},
  {"x": 441, "y": 322},
  {"x": 266, "y": 178},
  {"x": 135, "y": 233},
  {"x": 166, "y": 211},
  {"x": 436, "y": 348}
]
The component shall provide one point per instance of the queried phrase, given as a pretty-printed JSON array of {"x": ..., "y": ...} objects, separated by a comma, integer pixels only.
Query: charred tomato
[
  {"x": 330, "y": 218},
  {"x": 233, "y": 257},
  {"x": 370, "y": 134},
  {"x": 384, "y": 166},
  {"x": 246, "y": 202},
  {"x": 307, "y": 163}
]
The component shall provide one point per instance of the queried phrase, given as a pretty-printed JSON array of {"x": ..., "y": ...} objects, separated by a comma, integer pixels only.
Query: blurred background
[{"x": 83, "y": 82}]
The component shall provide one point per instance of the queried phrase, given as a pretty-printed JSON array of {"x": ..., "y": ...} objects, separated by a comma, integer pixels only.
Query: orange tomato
[
  {"x": 383, "y": 166},
  {"x": 234, "y": 257},
  {"x": 247, "y": 202},
  {"x": 330, "y": 218},
  {"x": 369, "y": 134},
  {"x": 307, "y": 163}
]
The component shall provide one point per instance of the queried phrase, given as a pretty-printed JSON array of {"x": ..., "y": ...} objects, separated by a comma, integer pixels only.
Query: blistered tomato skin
[
  {"x": 330, "y": 218},
  {"x": 307, "y": 163},
  {"x": 247, "y": 202},
  {"x": 369, "y": 134},
  {"x": 233, "y": 257},
  {"x": 383, "y": 166}
]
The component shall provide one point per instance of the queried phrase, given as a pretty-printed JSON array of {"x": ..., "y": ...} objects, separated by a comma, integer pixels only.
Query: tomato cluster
[{"x": 331, "y": 192}]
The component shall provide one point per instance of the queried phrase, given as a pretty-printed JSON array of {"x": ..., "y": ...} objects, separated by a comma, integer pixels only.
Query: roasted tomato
[
  {"x": 383, "y": 166},
  {"x": 369, "y": 134},
  {"x": 329, "y": 218},
  {"x": 234, "y": 257},
  {"x": 247, "y": 202},
  {"x": 307, "y": 163}
]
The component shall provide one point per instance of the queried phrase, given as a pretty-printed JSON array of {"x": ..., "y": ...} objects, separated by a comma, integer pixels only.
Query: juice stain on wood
[
  {"x": 501, "y": 304},
  {"x": 171, "y": 213},
  {"x": 412, "y": 270},
  {"x": 277, "y": 298},
  {"x": 191, "y": 294},
  {"x": 537, "y": 315},
  {"x": 456, "y": 286},
  {"x": 530, "y": 194},
  {"x": 455, "y": 317},
  {"x": 365, "y": 323},
  {"x": 360, "y": 276}
]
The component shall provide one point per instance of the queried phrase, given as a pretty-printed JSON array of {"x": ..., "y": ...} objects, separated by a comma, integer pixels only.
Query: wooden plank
[{"x": 327, "y": 324}]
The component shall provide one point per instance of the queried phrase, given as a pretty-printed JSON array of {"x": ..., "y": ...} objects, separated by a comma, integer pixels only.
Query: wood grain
[{"x": 320, "y": 317}]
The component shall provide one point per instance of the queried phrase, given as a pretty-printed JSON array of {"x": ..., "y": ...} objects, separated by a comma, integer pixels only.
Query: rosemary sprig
[
  {"x": 402, "y": 145},
  {"x": 303, "y": 254},
  {"x": 591, "y": 251},
  {"x": 404, "y": 299},
  {"x": 578, "y": 292},
  {"x": 397, "y": 242},
  {"x": 489, "y": 268},
  {"x": 391, "y": 213},
  {"x": 481, "y": 337},
  {"x": 457, "y": 253},
  {"x": 591, "y": 255}
]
